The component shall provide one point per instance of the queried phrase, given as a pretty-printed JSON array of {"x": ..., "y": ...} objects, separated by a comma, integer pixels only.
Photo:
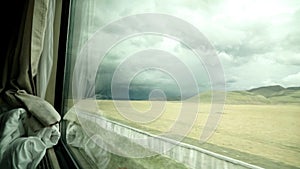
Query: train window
[{"x": 182, "y": 84}]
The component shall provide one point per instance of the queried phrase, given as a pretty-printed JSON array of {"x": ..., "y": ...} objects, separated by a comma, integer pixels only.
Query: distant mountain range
[{"x": 261, "y": 95}]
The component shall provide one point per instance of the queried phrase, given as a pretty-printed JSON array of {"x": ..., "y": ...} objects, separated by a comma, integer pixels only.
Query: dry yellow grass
[{"x": 269, "y": 131}]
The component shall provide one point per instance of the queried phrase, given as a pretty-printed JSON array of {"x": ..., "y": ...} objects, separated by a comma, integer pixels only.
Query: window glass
[{"x": 183, "y": 84}]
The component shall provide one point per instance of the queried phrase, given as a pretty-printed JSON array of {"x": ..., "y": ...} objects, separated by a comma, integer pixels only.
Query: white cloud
[
  {"x": 291, "y": 80},
  {"x": 288, "y": 57},
  {"x": 257, "y": 41}
]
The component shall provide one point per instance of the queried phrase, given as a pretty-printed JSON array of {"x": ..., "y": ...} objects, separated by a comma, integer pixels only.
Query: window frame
[{"x": 64, "y": 155}]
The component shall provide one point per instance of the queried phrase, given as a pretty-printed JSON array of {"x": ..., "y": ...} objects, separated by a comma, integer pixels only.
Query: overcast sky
[{"x": 257, "y": 42}]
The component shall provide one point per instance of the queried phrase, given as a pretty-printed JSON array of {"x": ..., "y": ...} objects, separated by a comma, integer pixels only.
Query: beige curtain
[
  {"x": 20, "y": 64},
  {"x": 42, "y": 51},
  {"x": 16, "y": 73},
  {"x": 28, "y": 123}
]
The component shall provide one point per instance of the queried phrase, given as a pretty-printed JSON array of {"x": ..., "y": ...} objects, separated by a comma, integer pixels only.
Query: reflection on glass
[{"x": 153, "y": 95}]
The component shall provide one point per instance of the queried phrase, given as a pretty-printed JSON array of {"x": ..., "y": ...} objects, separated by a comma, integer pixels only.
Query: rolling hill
[
  {"x": 262, "y": 95},
  {"x": 279, "y": 94}
]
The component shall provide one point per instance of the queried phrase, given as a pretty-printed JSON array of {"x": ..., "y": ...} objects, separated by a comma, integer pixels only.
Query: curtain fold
[
  {"x": 42, "y": 44},
  {"x": 17, "y": 68},
  {"x": 18, "y": 84},
  {"x": 25, "y": 70}
]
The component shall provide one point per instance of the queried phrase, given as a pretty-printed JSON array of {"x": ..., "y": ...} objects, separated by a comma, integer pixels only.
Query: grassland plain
[
  {"x": 259, "y": 126},
  {"x": 265, "y": 135}
]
